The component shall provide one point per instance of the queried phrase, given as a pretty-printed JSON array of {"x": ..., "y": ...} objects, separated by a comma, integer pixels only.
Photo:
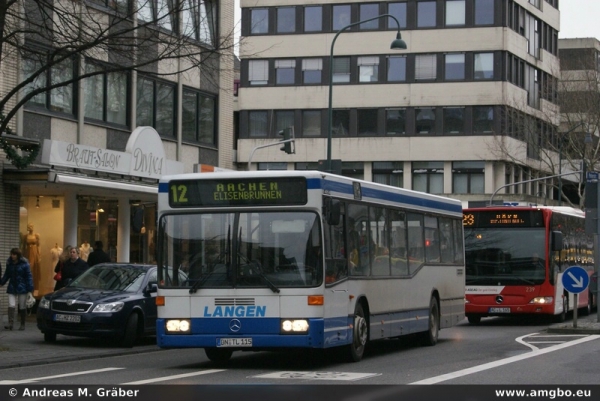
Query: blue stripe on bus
[{"x": 163, "y": 187}]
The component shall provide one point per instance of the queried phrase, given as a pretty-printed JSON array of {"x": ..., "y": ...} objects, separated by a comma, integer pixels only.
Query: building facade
[
  {"x": 464, "y": 111},
  {"x": 107, "y": 139}
]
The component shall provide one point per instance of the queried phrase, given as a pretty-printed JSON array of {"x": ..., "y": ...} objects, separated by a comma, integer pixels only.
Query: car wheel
[
  {"x": 430, "y": 337},
  {"x": 360, "y": 335},
  {"x": 474, "y": 319},
  {"x": 218, "y": 355},
  {"x": 49, "y": 337},
  {"x": 130, "y": 331}
]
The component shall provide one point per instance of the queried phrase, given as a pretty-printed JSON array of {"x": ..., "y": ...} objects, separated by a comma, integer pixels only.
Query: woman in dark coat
[
  {"x": 20, "y": 282},
  {"x": 73, "y": 266},
  {"x": 64, "y": 256}
]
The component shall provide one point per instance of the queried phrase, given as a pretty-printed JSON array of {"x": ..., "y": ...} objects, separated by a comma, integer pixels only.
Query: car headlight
[
  {"x": 542, "y": 300},
  {"x": 108, "y": 308},
  {"x": 181, "y": 326},
  {"x": 44, "y": 303},
  {"x": 294, "y": 326}
]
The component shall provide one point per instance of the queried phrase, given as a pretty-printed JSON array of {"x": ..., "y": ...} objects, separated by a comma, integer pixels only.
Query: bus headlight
[
  {"x": 181, "y": 326},
  {"x": 542, "y": 300},
  {"x": 293, "y": 326}
]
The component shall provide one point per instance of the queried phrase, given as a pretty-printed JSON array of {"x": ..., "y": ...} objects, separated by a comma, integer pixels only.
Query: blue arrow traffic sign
[{"x": 575, "y": 279}]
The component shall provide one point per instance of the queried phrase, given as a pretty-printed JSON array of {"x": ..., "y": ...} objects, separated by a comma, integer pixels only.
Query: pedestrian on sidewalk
[
  {"x": 20, "y": 282},
  {"x": 64, "y": 256},
  {"x": 98, "y": 256}
]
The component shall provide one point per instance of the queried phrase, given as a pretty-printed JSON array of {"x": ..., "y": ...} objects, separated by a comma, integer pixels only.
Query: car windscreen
[{"x": 111, "y": 278}]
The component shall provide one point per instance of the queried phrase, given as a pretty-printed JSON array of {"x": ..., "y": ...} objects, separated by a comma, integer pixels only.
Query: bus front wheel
[
  {"x": 360, "y": 334},
  {"x": 218, "y": 355}
]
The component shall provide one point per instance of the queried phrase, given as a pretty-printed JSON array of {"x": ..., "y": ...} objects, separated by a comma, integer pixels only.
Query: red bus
[{"x": 515, "y": 259}]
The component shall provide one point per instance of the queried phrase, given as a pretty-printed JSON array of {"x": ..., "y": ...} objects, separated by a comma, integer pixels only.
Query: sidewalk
[
  {"x": 585, "y": 325},
  {"x": 26, "y": 348}
]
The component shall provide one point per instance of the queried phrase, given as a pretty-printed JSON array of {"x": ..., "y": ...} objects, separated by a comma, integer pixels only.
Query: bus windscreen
[{"x": 238, "y": 192}]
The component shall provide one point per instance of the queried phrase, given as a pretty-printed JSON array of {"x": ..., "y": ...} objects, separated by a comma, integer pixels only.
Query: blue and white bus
[{"x": 303, "y": 259}]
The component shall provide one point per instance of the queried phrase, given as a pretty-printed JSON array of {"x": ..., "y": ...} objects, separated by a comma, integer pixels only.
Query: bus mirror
[
  {"x": 557, "y": 241},
  {"x": 332, "y": 211}
]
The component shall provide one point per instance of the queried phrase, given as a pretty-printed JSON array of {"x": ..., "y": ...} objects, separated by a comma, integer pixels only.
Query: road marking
[
  {"x": 344, "y": 376},
  {"x": 35, "y": 379},
  {"x": 175, "y": 377},
  {"x": 491, "y": 365}
]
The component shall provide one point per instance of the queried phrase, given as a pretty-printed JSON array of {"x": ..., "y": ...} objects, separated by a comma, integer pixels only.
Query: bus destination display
[
  {"x": 244, "y": 192},
  {"x": 520, "y": 218}
]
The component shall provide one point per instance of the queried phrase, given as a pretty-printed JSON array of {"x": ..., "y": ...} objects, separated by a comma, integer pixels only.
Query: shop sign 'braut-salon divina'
[{"x": 144, "y": 156}]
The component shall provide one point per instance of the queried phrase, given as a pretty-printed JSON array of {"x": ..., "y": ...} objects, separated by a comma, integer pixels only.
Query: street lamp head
[{"x": 398, "y": 43}]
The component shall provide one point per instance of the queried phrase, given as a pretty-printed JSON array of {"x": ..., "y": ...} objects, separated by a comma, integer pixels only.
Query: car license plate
[
  {"x": 499, "y": 310},
  {"x": 67, "y": 318},
  {"x": 234, "y": 342}
]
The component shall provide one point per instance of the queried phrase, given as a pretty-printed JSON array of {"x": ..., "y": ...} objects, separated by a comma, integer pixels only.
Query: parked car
[{"x": 107, "y": 300}]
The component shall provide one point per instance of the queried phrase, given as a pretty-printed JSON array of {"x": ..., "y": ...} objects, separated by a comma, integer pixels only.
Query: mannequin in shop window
[
  {"x": 84, "y": 251},
  {"x": 55, "y": 254},
  {"x": 31, "y": 246}
]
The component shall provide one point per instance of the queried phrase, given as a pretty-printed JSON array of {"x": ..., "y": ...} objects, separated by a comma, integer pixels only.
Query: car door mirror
[{"x": 151, "y": 288}]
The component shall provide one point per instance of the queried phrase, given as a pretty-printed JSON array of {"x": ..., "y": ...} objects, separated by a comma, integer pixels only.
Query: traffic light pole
[{"x": 266, "y": 146}]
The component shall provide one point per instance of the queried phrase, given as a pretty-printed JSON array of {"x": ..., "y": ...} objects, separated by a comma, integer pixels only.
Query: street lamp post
[
  {"x": 588, "y": 139},
  {"x": 398, "y": 43}
]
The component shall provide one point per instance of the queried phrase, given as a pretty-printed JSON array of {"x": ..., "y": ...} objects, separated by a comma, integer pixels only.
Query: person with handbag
[
  {"x": 64, "y": 256},
  {"x": 20, "y": 283}
]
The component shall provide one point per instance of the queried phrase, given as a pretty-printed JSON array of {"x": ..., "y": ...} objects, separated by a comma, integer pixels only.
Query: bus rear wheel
[
  {"x": 218, "y": 355},
  {"x": 430, "y": 337},
  {"x": 360, "y": 335}
]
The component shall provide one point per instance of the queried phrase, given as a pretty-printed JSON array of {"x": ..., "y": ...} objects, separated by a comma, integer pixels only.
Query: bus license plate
[
  {"x": 499, "y": 310},
  {"x": 234, "y": 342},
  {"x": 67, "y": 318}
]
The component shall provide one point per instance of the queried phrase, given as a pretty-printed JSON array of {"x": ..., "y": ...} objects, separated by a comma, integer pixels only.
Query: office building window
[
  {"x": 258, "y": 72},
  {"x": 353, "y": 170},
  {"x": 60, "y": 99},
  {"x": 313, "y": 19},
  {"x": 454, "y": 66},
  {"x": 396, "y": 69},
  {"x": 398, "y": 10},
  {"x": 258, "y": 124},
  {"x": 428, "y": 177},
  {"x": 341, "y": 17},
  {"x": 483, "y": 65},
  {"x": 285, "y": 71},
  {"x": 484, "y": 12},
  {"x": 389, "y": 173},
  {"x": 454, "y": 120},
  {"x": 368, "y": 69},
  {"x": 341, "y": 69},
  {"x": 199, "y": 19},
  {"x": 468, "y": 177},
  {"x": 367, "y": 122},
  {"x": 340, "y": 122},
  {"x": 426, "y": 14},
  {"x": 283, "y": 119},
  {"x": 311, "y": 123},
  {"x": 286, "y": 19},
  {"x": 312, "y": 69},
  {"x": 483, "y": 119},
  {"x": 395, "y": 121},
  {"x": 259, "y": 21},
  {"x": 156, "y": 105},
  {"x": 198, "y": 117},
  {"x": 425, "y": 120},
  {"x": 105, "y": 95},
  {"x": 425, "y": 66},
  {"x": 455, "y": 12},
  {"x": 159, "y": 11},
  {"x": 272, "y": 166},
  {"x": 369, "y": 11}
]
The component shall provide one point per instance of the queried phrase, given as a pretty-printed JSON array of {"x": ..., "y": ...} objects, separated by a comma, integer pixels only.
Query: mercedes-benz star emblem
[
  {"x": 499, "y": 299},
  {"x": 235, "y": 325}
]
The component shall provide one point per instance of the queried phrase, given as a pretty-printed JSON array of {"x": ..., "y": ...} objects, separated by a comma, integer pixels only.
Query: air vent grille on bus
[{"x": 234, "y": 301}]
